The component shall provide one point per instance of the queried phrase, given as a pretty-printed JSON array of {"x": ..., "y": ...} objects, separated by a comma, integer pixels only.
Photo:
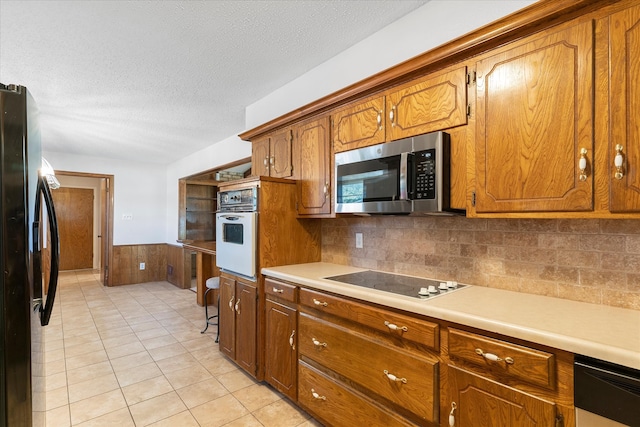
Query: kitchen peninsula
[{"x": 205, "y": 267}]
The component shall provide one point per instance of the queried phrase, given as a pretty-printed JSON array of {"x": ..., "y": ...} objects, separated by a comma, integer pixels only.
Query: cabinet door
[
  {"x": 534, "y": 116},
  {"x": 227, "y": 315},
  {"x": 314, "y": 160},
  {"x": 280, "y": 161},
  {"x": 624, "y": 45},
  {"x": 246, "y": 326},
  {"x": 359, "y": 125},
  {"x": 483, "y": 402},
  {"x": 280, "y": 349},
  {"x": 436, "y": 102},
  {"x": 260, "y": 157}
]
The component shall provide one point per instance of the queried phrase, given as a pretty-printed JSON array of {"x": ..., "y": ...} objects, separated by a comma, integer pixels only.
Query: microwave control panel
[{"x": 425, "y": 174}]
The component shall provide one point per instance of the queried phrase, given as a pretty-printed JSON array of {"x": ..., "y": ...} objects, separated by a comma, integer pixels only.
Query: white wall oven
[{"x": 236, "y": 232}]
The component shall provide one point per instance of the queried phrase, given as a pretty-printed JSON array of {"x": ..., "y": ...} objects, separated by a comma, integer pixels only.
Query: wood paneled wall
[
  {"x": 125, "y": 269},
  {"x": 178, "y": 266}
]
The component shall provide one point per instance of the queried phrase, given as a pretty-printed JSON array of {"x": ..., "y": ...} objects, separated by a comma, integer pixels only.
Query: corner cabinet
[
  {"x": 272, "y": 155},
  {"x": 238, "y": 321},
  {"x": 534, "y": 124},
  {"x": 624, "y": 99},
  {"x": 314, "y": 157}
]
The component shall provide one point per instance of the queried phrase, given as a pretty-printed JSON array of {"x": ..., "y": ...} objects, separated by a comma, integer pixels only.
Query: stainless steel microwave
[{"x": 408, "y": 176}]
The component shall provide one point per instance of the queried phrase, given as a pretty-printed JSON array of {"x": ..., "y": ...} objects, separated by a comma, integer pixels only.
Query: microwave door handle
[{"x": 404, "y": 176}]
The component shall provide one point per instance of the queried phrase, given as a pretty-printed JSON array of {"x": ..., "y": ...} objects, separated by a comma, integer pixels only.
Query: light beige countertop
[{"x": 600, "y": 331}]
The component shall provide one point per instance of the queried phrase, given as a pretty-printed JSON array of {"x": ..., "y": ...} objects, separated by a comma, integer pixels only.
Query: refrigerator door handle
[{"x": 43, "y": 189}]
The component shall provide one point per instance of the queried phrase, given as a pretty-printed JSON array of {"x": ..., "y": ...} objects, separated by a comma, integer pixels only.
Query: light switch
[{"x": 359, "y": 241}]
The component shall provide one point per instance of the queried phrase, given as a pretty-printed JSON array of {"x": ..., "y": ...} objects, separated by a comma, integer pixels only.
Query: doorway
[{"x": 86, "y": 200}]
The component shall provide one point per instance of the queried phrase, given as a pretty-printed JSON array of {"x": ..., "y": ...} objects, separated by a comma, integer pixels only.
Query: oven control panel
[{"x": 244, "y": 200}]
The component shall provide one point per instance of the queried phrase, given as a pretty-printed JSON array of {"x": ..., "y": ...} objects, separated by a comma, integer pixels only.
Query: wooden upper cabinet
[
  {"x": 359, "y": 125},
  {"x": 435, "y": 102},
  {"x": 272, "y": 155},
  {"x": 534, "y": 118},
  {"x": 260, "y": 157},
  {"x": 624, "y": 50},
  {"x": 313, "y": 156}
]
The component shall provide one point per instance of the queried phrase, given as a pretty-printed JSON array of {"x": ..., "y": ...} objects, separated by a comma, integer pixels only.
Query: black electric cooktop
[{"x": 398, "y": 284}]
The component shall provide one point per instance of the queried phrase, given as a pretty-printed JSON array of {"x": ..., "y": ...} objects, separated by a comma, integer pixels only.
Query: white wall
[
  {"x": 139, "y": 189},
  {"x": 429, "y": 26}
]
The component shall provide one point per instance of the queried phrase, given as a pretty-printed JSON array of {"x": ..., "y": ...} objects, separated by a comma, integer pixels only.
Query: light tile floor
[{"x": 134, "y": 356}]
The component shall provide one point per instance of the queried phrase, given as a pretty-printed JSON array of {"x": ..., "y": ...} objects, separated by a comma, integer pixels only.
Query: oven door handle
[{"x": 231, "y": 217}]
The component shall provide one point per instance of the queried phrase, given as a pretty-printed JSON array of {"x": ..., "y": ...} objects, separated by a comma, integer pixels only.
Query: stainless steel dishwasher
[{"x": 606, "y": 395}]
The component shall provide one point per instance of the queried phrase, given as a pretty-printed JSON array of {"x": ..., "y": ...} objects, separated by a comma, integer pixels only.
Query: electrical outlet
[
  {"x": 142, "y": 266},
  {"x": 359, "y": 242},
  {"x": 127, "y": 217}
]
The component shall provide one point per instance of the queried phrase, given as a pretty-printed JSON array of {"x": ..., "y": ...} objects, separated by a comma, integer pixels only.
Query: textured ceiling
[{"x": 155, "y": 81}]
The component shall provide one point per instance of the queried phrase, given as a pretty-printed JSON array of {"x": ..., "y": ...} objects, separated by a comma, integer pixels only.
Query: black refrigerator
[{"x": 28, "y": 218}]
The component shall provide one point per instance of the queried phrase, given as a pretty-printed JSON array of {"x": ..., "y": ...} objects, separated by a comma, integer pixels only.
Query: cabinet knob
[
  {"x": 291, "y": 343},
  {"x": 318, "y": 343},
  {"x": 582, "y": 164},
  {"x": 452, "y": 417},
  {"x": 319, "y": 303},
  {"x": 618, "y": 162},
  {"x": 317, "y": 396},
  {"x": 493, "y": 357},
  {"x": 394, "y": 378},
  {"x": 394, "y": 327}
]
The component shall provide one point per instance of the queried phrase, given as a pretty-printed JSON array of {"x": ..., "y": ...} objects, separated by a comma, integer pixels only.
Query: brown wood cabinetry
[
  {"x": 238, "y": 321},
  {"x": 506, "y": 383},
  {"x": 481, "y": 401},
  {"x": 624, "y": 98},
  {"x": 359, "y": 125},
  {"x": 314, "y": 158},
  {"x": 435, "y": 102},
  {"x": 281, "y": 356},
  {"x": 534, "y": 119},
  {"x": 197, "y": 211},
  {"x": 272, "y": 155}
]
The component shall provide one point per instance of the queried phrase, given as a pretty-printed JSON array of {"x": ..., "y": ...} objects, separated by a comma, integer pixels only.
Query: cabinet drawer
[
  {"x": 394, "y": 324},
  {"x": 516, "y": 361},
  {"x": 407, "y": 380},
  {"x": 337, "y": 405},
  {"x": 280, "y": 289}
]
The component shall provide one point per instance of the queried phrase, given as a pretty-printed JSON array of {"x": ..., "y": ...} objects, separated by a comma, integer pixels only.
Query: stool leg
[
  {"x": 206, "y": 312},
  {"x": 218, "y": 322}
]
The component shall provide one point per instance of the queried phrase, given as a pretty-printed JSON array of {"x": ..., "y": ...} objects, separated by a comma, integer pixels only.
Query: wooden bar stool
[{"x": 211, "y": 283}]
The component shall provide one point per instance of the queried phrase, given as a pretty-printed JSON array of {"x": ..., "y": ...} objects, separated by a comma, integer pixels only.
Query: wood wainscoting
[
  {"x": 178, "y": 266},
  {"x": 125, "y": 269}
]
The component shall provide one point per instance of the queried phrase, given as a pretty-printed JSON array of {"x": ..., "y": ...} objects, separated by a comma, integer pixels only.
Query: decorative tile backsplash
[{"x": 596, "y": 261}]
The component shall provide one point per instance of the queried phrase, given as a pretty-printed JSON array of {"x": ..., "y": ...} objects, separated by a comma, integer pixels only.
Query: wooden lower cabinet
[
  {"x": 336, "y": 404},
  {"x": 280, "y": 347},
  {"x": 483, "y": 402},
  {"x": 238, "y": 321}
]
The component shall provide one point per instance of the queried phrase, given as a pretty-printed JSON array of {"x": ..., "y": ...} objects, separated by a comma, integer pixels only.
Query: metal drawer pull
[
  {"x": 316, "y": 302},
  {"x": 238, "y": 306},
  {"x": 395, "y": 327},
  {"x": 291, "y": 344},
  {"x": 452, "y": 417},
  {"x": 318, "y": 343},
  {"x": 394, "y": 378},
  {"x": 278, "y": 291},
  {"x": 231, "y": 302},
  {"x": 494, "y": 358},
  {"x": 317, "y": 396}
]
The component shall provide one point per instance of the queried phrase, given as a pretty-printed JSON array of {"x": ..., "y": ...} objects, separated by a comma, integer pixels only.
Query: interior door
[{"x": 74, "y": 208}]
